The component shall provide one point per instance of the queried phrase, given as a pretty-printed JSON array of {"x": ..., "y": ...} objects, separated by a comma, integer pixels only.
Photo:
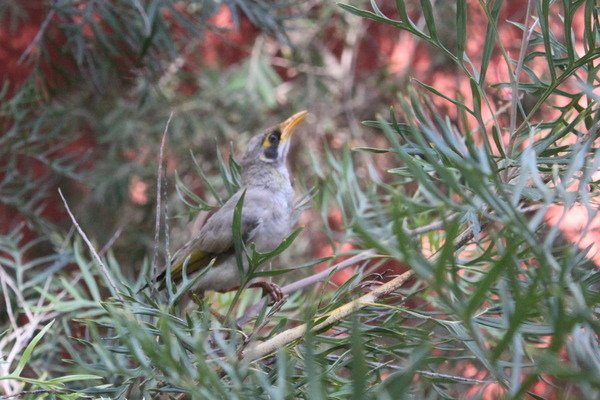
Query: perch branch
[
  {"x": 279, "y": 341},
  {"x": 262, "y": 349}
]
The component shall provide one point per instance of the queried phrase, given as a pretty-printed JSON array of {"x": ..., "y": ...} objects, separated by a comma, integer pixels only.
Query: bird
[{"x": 267, "y": 217}]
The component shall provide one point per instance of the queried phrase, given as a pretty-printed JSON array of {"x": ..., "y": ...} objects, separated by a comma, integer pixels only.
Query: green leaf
[
  {"x": 281, "y": 271},
  {"x": 258, "y": 258},
  {"x": 238, "y": 241},
  {"x": 490, "y": 37},
  {"x": 543, "y": 11},
  {"x": 358, "y": 367},
  {"x": 209, "y": 186},
  {"x": 74, "y": 378},
  {"x": 429, "y": 19},
  {"x": 313, "y": 369},
  {"x": 371, "y": 150},
  {"x": 395, "y": 386},
  {"x": 26, "y": 356},
  {"x": 185, "y": 193}
]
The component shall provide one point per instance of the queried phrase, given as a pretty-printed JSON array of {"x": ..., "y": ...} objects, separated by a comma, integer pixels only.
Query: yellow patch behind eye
[{"x": 266, "y": 144}]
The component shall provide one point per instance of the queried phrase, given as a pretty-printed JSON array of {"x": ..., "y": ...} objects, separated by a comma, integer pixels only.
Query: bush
[{"x": 463, "y": 283}]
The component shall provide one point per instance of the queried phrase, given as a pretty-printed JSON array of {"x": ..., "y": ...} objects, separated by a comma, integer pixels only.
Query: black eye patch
[
  {"x": 271, "y": 152},
  {"x": 271, "y": 144}
]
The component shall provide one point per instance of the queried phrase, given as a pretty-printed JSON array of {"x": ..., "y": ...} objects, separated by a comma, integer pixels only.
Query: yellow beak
[{"x": 288, "y": 126}]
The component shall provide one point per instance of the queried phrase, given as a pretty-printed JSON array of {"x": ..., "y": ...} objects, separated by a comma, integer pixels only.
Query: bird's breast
[{"x": 275, "y": 224}]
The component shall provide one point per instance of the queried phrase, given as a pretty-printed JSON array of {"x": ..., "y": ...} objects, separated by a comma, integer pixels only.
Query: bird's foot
[{"x": 270, "y": 289}]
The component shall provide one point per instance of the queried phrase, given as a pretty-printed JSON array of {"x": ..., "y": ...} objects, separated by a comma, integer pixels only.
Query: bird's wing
[{"x": 216, "y": 236}]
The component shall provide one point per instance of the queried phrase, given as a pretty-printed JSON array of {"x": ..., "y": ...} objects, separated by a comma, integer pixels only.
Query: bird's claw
[{"x": 270, "y": 289}]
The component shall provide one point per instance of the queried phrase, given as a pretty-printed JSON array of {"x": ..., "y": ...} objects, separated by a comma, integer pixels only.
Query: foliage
[
  {"x": 100, "y": 78},
  {"x": 495, "y": 288}
]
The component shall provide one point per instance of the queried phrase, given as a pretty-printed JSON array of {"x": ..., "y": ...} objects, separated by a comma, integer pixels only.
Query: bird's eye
[{"x": 273, "y": 138}]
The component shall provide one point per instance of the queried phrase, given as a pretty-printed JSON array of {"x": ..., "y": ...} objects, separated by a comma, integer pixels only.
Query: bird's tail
[{"x": 193, "y": 262}]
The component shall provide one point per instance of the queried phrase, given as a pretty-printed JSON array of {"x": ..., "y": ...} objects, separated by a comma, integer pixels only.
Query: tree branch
[{"x": 279, "y": 341}]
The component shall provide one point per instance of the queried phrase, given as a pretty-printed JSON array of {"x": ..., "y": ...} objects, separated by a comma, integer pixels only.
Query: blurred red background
[{"x": 377, "y": 47}]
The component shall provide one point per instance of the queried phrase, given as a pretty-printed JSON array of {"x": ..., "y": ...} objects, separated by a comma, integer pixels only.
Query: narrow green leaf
[
  {"x": 395, "y": 386},
  {"x": 75, "y": 378},
  {"x": 429, "y": 19},
  {"x": 567, "y": 73},
  {"x": 490, "y": 37},
  {"x": 358, "y": 367},
  {"x": 228, "y": 180},
  {"x": 498, "y": 141},
  {"x": 281, "y": 271},
  {"x": 569, "y": 8},
  {"x": 370, "y": 15},
  {"x": 404, "y": 17},
  {"x": 26, "y": 356},
  {"x": 258, "y": 258},
  {"x": 589, "y": 28},
  {"x": 371, "y": 150},
  {"x": 184, "y": 193},
  {"x": 543, "y": 11},
  {"x": 209, "y": 186},
  {"x": 483, "y": 286},
  {"x": 86, "y": 273},
  {"x": 445, "y": 97},
  {"x": 312, "y": 368},
  {"x": 238, "y": 241}
]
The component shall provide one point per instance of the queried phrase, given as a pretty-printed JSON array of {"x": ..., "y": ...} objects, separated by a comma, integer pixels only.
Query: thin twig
[
  {"x": 388, "y": 365},
  {"x": 159, "y": 180},
  {"x": 103, "y": 266},
  {"x": 468, "y": 235},
  {"x": 453, "y": 377},
  {"x": 37, "y": 38},
  {"x": 318, "y": 277},
  {"x": 112, "y": 240}
]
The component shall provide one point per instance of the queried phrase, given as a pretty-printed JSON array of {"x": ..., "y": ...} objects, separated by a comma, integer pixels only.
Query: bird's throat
[{"x": 272, "y": 177}]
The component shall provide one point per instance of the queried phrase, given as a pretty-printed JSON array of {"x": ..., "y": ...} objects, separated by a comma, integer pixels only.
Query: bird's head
[{"x": 272, "y": 146}]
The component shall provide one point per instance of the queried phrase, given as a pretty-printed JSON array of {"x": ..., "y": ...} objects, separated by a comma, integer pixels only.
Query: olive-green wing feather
[{"x": 214, "y": 240}]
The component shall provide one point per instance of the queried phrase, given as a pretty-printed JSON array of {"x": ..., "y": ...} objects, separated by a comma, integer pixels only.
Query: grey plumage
[{"x": 267, "y": 214}]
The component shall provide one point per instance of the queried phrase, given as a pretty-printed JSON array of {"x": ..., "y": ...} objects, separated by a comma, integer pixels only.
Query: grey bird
[{"x": 267, "y": 217}]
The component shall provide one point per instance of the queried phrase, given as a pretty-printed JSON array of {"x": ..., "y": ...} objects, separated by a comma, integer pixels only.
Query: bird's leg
[{"x": 269, "y": 288}]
